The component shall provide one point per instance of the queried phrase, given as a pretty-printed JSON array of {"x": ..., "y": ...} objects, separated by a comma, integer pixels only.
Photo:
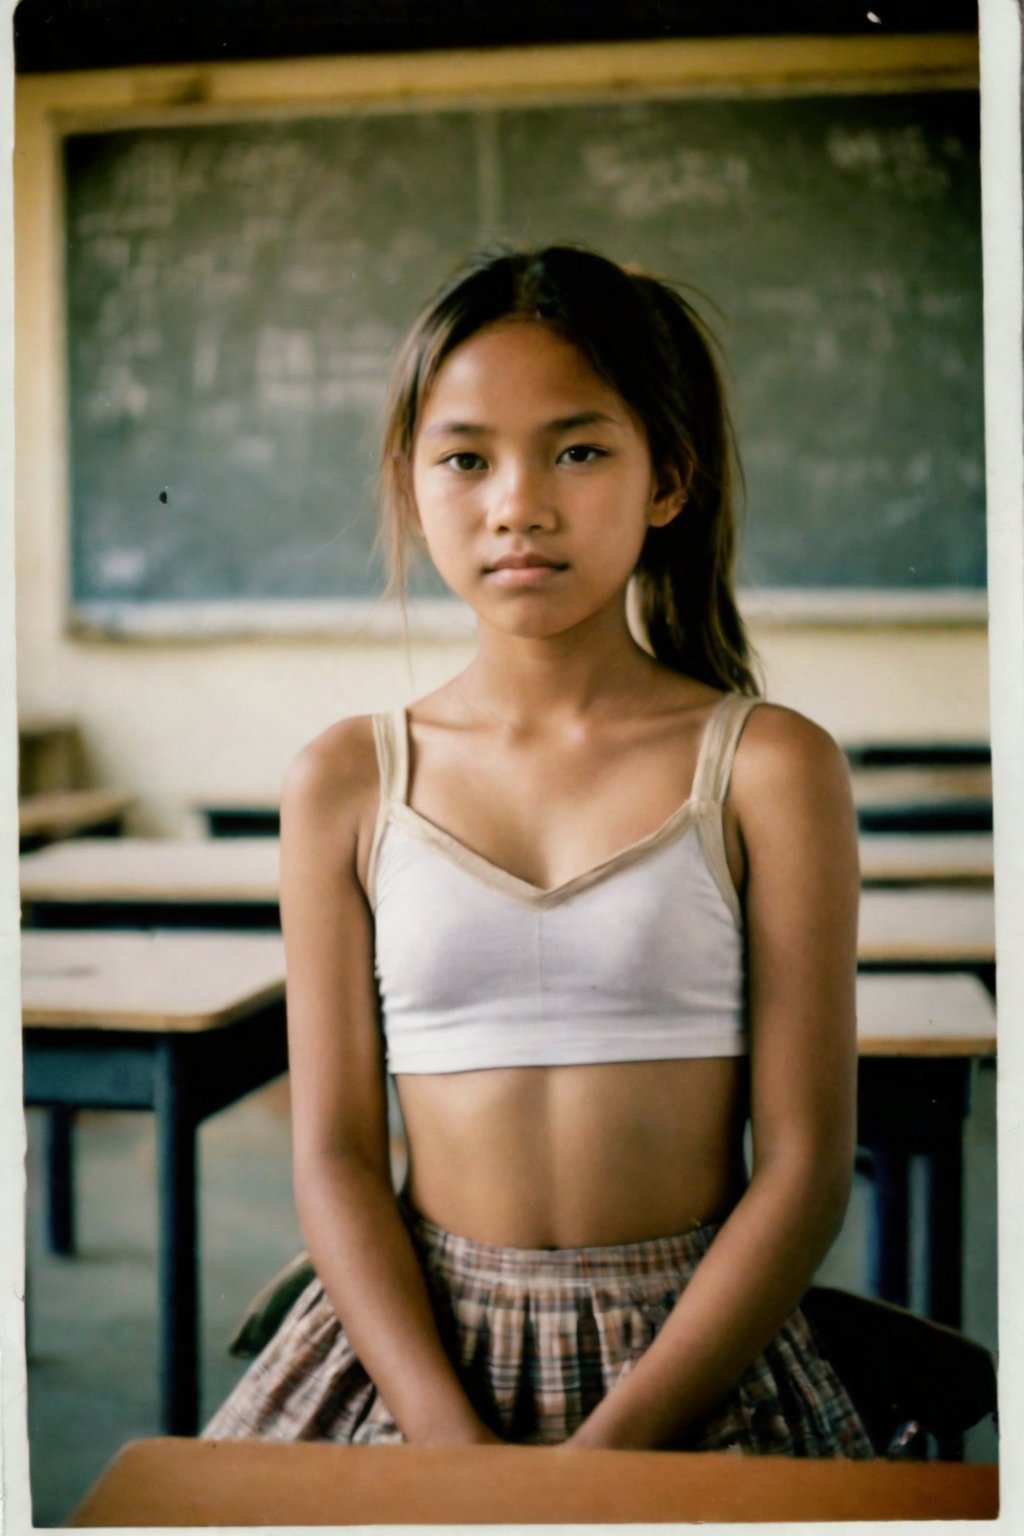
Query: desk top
[
  {"x": 915, "y": 786},
  {"x": 153, "y": 869},
  {"x": 926, "y": 1015},
  {"x": 927, "y": 856},
  {"x": 141, "y": 981},
  {"x": 58, "y": 813},
  {"x": 938, "y": 924},
  {"x": 203, "y": 1482}
]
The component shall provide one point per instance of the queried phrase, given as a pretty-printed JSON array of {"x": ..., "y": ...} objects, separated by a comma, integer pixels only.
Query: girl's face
[{"x": 532, "y": 481}]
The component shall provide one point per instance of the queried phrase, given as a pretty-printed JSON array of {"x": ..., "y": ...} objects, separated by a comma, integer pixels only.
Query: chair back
[{"x": 907, "y": 1376}]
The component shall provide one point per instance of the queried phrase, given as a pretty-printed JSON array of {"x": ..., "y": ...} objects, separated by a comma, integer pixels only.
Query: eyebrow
[{"x": 560, "y": 424}]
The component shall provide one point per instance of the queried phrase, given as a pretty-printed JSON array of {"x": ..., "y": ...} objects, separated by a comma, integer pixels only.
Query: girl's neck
[{"x": 529, "y": 684}]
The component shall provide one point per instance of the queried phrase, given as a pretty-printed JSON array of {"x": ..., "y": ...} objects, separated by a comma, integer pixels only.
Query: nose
[{"x": 521, "y": 502}]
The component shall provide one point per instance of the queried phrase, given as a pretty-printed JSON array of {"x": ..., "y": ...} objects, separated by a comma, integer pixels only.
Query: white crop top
[{"x": 638, "y": 959}]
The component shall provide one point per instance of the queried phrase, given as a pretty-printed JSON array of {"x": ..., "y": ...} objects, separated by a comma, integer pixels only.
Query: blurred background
[{"x": 226, "y": 216}]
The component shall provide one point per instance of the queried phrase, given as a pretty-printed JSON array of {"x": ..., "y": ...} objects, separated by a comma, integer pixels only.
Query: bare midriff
[{"x": 576, "y": 1156}]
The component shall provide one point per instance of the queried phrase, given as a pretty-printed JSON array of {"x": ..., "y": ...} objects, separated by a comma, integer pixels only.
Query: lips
[{"x": 524, "y": 563}]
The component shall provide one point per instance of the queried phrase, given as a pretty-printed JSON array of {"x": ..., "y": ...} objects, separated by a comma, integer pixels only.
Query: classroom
[{"x": 222, "y": 232}]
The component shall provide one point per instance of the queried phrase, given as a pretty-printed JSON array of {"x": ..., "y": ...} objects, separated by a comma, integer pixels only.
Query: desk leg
[
  {"x": 60, "y": 1179},
  {"x": 945, "y": 1200},
  {"x": 888, "y": 1260},
  {"x": 906, "y": 1107},
  {"x": 178, "y": 1260}
]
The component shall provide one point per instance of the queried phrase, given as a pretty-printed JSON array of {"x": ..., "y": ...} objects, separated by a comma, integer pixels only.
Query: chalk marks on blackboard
[
  {"x": 128, "y": 220},
  {"x": 642, "y": 186},
  {"x": 205, "y": 359},
  {"x": 118, "y": 395},
  {"x": 791, "y": 301},
  {"x": 900, "y": 160},
  {"x": 265, "y": 162},
  {"x": 123, "y": 567},
  {"x": 297, "y": 370},
  {"x": 254, "y": 452},
  {"x": 283, "y": 354}
]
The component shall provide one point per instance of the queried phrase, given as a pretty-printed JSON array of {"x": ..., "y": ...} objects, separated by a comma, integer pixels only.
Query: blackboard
[{"x": 235, "y": 292}]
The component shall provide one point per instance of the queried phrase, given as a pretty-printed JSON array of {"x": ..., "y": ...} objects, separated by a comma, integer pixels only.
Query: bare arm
[
  {"x": 791, "y": 796},
  {"x": 347, "y": 1209}
]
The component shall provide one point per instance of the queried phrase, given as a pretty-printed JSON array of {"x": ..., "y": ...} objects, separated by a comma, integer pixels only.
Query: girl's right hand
[{"x": 486, "y": 1436}]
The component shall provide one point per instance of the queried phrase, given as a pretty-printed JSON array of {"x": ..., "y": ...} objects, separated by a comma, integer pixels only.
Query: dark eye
[
  {"x": 581, "y": 453},
  {"x": 463, "y": 463}
]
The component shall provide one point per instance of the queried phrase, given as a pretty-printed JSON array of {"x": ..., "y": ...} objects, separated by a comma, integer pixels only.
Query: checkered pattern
[{"x": 540, "y": 1336}]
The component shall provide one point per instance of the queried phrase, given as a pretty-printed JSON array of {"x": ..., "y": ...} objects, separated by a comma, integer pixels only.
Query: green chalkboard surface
[{"x": 235, "y": 292}]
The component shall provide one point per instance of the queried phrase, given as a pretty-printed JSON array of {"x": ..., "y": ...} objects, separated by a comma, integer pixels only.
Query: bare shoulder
[
  {"x": 332, "y": 784},
  {"x": 784, "y": 754},
  {"x": 790, "y": 807}
]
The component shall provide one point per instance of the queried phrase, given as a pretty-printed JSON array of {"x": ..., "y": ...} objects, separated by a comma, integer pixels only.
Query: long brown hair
[{"x": 644, "y": 339}]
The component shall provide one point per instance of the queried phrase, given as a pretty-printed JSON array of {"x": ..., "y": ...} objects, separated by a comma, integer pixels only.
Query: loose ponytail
[{"x": 685, "y": 601}]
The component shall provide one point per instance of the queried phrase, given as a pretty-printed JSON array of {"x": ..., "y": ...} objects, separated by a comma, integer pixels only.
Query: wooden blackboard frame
[{"x": 52, "y": 107}]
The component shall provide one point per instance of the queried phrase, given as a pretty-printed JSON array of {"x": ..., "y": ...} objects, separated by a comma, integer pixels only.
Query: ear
[{"x": 669, "y": 497}]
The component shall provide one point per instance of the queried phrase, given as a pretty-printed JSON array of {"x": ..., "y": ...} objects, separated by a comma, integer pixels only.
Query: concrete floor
[{"x": 92, "y": 1356}]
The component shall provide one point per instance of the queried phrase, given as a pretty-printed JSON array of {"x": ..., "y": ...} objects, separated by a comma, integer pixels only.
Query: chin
[{"x": 533, "y": 626}]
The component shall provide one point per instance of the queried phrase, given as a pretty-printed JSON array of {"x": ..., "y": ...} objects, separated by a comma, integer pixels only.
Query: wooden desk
[
  {"x": 916, "y": 1017},
  {"x": 137, "y": 883},
  {"x": 917, "y": 1038},
  {"x": 905, "y": 858},
  {"x": 46, "y": 818},
  {"x": 923, "y": 799},
  {"x": 197, "y": 1482},
  {"x": 182, "y": 1025},
  {"x": 935, "y": 928},
  {"x": 151, "y": 882}
]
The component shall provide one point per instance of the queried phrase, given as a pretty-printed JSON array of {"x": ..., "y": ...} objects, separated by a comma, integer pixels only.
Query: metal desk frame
[{"x": 183, "y": 1078}]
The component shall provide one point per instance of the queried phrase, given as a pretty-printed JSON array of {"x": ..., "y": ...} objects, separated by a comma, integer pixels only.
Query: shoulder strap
[
  {"x": 718, "y": 747},
  {"x": 390, "y": 734}
]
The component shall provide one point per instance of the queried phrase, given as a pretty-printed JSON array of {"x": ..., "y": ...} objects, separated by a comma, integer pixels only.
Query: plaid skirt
[{"x": 539, "y": 1336}]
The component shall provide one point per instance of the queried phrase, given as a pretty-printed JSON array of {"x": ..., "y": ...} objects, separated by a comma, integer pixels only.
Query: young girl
[{"x": 593, "y": 905}]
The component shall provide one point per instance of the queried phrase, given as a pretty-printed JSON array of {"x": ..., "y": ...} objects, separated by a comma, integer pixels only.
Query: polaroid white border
[{"x": 1001, "y": 166}]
